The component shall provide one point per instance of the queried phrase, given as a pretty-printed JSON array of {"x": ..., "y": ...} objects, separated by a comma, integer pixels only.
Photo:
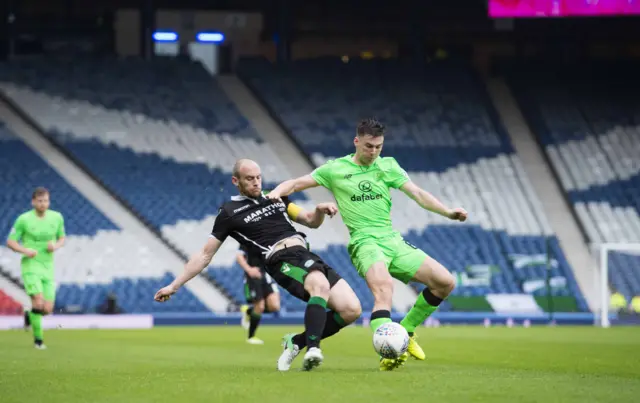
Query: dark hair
[
  {"x": 40, "y": 191},
  {"x": 371, "y": 127}
]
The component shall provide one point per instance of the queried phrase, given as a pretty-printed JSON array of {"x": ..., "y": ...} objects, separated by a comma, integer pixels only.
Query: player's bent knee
[
  {"x": 258, "y": 306},
  {"x": 37, "y": 302},
  {"x": 316, "y": 284},
  {"x": 446, "y": 285},
  {"x": 273, "y": 303},
  {"x": 351, "y": 311}
]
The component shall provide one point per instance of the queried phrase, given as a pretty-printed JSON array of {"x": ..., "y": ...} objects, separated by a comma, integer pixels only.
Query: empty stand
[{"x": 588, "y": 121}]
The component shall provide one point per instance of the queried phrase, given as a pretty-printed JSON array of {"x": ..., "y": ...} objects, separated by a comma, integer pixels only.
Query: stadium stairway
[
  {"x": 107, "y": 248},
  {"x": 444, "y": 131},
  {"x": 588, "y": 122},
  {"x": 550, "y": 193}
]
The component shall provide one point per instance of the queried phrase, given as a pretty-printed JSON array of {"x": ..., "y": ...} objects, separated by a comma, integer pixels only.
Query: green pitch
[{"x": 213, "y": 364}]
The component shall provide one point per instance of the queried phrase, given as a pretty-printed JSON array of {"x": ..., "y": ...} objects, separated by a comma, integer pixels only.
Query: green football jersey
[
  {"x": 362, "y": 193},
  {"x": 36, "y": 232}
]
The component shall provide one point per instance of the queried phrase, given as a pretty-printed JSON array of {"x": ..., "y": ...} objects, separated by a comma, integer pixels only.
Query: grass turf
[{"x": 214, "y": 364}]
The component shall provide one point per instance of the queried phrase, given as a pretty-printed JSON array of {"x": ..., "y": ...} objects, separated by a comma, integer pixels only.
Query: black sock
[
  {"x": 314, "y": 320},
  {"x": 430, "y": 298},
  {"x": 332, "y": 325},
  {"x": 27, "y": 319},
  {"x": 253, "y": 323}
]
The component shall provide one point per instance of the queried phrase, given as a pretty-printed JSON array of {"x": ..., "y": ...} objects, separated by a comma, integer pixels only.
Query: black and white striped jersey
[{"x": 257, "y": 224}]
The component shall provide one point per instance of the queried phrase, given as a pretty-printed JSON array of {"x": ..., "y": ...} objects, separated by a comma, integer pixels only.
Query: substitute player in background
[
  {"x": 264, "y": 226},
  {"x": 41, "y": 232},
  {"x": 361, "y": 184},
  {"x": 259, "y": 290}
]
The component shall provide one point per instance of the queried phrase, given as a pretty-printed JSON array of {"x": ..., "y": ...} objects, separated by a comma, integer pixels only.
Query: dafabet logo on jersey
[{"x": 365, "y": 187}]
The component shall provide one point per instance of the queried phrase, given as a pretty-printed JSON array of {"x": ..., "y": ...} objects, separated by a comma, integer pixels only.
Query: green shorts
[
  {"x": 401, "y": 258},
  {"x": 36, "y": 282}
]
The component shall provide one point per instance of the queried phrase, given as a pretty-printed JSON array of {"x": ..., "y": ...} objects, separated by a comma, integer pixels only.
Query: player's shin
[
  {"x": 314, "y": 321},
  {"x": 333, "y": 324},
  {"x": 426, "y": 304},
  {"x": 254, "y": 322},
  {"x": 35, "y": 317}
]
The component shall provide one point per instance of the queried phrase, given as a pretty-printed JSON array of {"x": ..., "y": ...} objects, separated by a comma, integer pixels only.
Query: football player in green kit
[
  {"x": 41, "y": 232},
  {"x": 361, "y": 184}
]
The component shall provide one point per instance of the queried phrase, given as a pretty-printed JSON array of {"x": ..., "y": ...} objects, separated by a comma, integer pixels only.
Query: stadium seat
[
  {"x": 588, "y": 121},
  {"x": 97, "y": 257}
]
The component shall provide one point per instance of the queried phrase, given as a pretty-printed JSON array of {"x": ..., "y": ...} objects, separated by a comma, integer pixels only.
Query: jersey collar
[
  {"x": 350, "y": 159},
  {"x": 242, "y": 198}
]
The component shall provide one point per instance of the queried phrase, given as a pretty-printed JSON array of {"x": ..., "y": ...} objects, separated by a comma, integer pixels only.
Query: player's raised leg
[
  {"x": 344, "y": 308},
  {"x": 439, "y": 281}
]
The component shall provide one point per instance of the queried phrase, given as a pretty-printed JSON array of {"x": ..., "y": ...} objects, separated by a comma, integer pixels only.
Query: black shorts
[
  {"x": 256, "y": 289},
  {"x": 290, "y": 266}
]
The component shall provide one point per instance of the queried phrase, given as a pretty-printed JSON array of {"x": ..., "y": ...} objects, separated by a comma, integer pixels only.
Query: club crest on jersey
[{"x": 365, "y": 186}]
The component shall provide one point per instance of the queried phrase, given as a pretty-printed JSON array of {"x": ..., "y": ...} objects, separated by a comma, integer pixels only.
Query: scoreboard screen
[{"x": 562, "y": 8}]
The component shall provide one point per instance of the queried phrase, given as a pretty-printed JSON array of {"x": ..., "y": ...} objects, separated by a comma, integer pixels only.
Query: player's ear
[
  {"x": 234, "y": 180},
  {"x": 355, "y": 141}
]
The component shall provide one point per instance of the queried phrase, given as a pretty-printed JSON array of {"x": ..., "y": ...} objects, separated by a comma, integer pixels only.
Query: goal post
[{"x": 601, "y": 314}]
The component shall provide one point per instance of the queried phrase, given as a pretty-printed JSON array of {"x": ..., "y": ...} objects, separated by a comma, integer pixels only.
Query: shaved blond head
[
  {"x": 247, "y": 177},
  {"x": 243, "y": 165}
]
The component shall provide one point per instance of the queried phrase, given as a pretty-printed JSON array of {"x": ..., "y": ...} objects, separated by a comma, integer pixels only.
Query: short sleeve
[
  {"x": 221, "y": 227},
  {"x": 61, "y": 233},
  {"x": 17, "y": 231},
  {"x": 322, "y": 174},
  {"x": 396, "y": 176}
]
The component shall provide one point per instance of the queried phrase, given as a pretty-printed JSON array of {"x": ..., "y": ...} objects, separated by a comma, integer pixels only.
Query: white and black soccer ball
[{"x": 390, "y": 340}]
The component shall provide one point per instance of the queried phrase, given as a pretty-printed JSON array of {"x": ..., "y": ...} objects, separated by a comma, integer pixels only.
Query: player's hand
[
  {"x": 254, "y": 272},
  {"x": 30, "y": 253},
  {"x": 329, "y": 209},
  {"x": 458, "y": 214},
  {"x": 51, "y": 247},
  {"x": 273, "y": 195},
  {"x": 164, "y": 294}
]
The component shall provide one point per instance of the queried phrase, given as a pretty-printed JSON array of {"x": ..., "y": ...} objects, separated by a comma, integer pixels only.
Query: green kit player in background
[
  {"x": 41, "y": 232},
  {"x": 360, "y": 183}
]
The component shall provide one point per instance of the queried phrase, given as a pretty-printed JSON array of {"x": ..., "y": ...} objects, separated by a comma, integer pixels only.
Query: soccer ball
[{"x": 391, "y": 340}]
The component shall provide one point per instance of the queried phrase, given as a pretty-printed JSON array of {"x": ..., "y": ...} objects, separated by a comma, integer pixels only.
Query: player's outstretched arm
[
  {"x": 292, "y": 186},
  {"x": 198, "y": 262},
  {"x": 429, "y": 202},
  {"x": 311, "y": 219}
]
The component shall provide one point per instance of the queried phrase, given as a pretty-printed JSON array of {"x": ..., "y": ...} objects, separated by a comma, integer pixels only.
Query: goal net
[{"x": 619, "y": 273}]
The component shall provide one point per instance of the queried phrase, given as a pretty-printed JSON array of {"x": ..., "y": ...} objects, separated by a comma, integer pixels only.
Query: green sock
[
  {"x": 36, "y": 324},
  {"x": 418, "y": 314},
  {"x": 376, "y": 323}
]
